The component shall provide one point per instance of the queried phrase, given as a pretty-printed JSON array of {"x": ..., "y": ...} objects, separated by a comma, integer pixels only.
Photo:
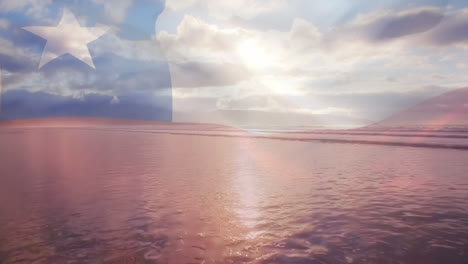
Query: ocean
[{"x": 71, "y": 195}]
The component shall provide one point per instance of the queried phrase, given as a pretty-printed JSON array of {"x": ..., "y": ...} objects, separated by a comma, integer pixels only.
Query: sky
[{"x": 293, "y": 62}]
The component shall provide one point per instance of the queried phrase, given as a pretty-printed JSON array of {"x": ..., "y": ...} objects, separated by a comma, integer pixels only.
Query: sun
[{"x": 253, "y": 55}]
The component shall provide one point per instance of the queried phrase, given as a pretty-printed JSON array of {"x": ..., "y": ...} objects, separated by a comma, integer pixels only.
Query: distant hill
[
  {"x": 270, "y": 120},
  {"x": 447, "y": 110}
]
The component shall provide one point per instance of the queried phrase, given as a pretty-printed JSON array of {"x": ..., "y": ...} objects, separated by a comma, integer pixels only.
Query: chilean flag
[{"x": 84, "y": 58}]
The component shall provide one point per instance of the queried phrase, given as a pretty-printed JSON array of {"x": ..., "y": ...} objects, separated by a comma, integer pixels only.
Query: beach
[{"x": 206, "y": 194}]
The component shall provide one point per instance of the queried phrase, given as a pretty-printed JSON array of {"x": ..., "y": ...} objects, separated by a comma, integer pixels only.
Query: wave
[{"x": 439, "y": 141}]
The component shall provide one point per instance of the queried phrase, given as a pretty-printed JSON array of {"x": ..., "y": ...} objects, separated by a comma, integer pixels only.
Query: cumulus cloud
[
  {"x": 196, "y": 38},
  {"x": 348, "y": 60}
]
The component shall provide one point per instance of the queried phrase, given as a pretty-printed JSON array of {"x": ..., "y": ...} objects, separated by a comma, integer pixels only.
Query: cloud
[
  {"x": 115, "y": 10},
  {"x": 21, "y": 104},
  {"x": 197, "y": 39},
  {"x": 179, "y": 4},
  {"x": 366, "y": 66},
  {"x": 452, "y": 30},
  {"x": 379, "y": 35},
  {"x": 304, "y": 48},
  {"x": 122, "y": 66},
  {"x": 277, "y": 104},
  {"x": 196, "y": 74},
  {"x": 222, "y": 57},
  {"x": 115, "y": 100},
  {"x": 17, "y": 5},
  {"x": 426, "y": 26},
  {"x": 405, "y": 23},
  {"x": 16, "y": 58},
  {"x": 225, "y": 10},
  {"x": 4, "y": 23}
]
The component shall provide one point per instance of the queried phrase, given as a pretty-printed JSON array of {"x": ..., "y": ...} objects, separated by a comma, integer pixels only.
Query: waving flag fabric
[{"x": 83, "y": 58}]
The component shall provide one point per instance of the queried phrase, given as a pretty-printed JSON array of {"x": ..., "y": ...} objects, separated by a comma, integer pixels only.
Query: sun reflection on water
[{"x": 246, "y": 186}]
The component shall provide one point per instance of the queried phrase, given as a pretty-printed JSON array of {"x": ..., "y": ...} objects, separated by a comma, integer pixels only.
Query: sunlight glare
[{"x": 253, "y": 55}]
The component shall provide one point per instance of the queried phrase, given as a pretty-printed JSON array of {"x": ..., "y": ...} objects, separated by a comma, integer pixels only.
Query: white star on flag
[{"x": 67, "y": 38}]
